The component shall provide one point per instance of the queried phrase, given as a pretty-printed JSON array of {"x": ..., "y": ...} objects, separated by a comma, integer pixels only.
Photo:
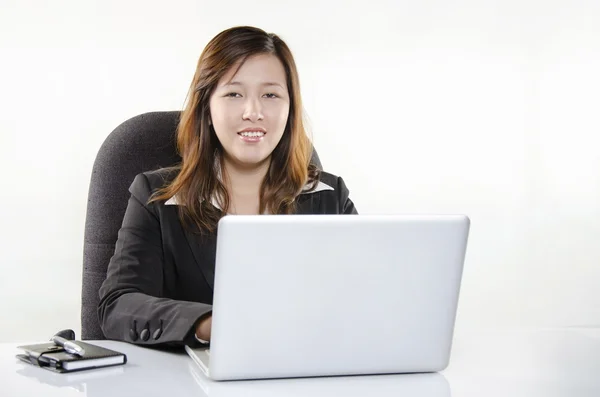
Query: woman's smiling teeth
[{"x": 252, "y": 134}]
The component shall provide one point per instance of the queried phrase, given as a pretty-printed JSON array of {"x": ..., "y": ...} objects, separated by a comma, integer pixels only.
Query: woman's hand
[{"x": 203, "y": 328}]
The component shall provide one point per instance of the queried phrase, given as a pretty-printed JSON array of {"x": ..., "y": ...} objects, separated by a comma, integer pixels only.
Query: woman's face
[{"x": 249, "y": 110}]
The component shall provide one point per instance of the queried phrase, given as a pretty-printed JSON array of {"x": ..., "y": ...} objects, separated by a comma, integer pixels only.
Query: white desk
[{"x": 549, "y": 363}]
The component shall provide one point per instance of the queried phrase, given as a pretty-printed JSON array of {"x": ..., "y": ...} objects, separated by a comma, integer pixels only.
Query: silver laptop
[{"x": 323, "y": 295}]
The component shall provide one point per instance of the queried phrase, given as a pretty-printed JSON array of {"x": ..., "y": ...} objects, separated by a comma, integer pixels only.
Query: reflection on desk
[
  {"x": 414, "y": 385},
  {"x": 151, "y": 372},
  {"x": 528, "y": 363},
  {"x": 71, "y": 380}
]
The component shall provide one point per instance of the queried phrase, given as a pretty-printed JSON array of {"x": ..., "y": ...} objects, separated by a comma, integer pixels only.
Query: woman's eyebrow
[{"x": 268, "y": 83}]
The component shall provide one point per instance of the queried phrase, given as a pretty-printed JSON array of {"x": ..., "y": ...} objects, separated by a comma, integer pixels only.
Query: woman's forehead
[{"x": 262, "y": 70}]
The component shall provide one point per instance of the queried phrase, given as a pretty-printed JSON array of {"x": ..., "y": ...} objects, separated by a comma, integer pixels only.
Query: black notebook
[{"x": 54, "y": 358}]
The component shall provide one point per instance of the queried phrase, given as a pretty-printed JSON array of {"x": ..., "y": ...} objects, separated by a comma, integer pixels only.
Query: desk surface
[{"x": 549, "y": 362}]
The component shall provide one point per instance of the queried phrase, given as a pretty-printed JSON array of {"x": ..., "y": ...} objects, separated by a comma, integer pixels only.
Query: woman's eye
[{"x": 236, "y": 95}]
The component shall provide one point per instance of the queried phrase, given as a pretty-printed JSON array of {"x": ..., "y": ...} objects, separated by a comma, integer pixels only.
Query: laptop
[{"x": 329, "y": 295}]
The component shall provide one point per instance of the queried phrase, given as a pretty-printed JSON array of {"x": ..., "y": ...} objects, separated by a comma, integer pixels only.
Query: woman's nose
[{"x": 253, "y": 110}]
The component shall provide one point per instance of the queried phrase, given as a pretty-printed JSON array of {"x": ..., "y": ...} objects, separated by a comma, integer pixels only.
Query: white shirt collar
[{"x": 319, "y": 188}]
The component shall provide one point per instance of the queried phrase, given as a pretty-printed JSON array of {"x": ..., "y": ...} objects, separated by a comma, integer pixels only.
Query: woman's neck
[{"x": 244, "y": 185}]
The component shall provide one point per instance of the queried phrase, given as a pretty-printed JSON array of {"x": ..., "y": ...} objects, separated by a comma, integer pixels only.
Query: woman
[{"x": 244, "y": 150}]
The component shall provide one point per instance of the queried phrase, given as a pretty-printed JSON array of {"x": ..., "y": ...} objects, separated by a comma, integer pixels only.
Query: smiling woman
[
  {"x": 244, "y": 150},
  {"x": 241, "y": 135}
]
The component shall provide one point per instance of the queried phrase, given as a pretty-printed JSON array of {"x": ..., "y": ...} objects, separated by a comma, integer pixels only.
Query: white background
[{"x": 489, "y": 108}]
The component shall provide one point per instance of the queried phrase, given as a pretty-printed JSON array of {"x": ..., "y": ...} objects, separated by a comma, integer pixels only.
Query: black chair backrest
[{"x": 140, "y": 144}]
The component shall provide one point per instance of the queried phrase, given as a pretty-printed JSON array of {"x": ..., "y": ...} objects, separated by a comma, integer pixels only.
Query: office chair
[{"x": 142, "y": 143}]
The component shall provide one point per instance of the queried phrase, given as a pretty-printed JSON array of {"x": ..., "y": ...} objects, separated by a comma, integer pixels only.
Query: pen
[{"x": 69, "y": 346}]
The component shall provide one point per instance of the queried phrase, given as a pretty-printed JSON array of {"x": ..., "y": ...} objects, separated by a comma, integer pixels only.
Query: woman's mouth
[{"x": 251, "y": 136}]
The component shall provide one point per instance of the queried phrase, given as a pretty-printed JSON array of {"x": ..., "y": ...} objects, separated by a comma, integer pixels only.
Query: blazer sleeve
[
  {"x": 346, "y": 205},
  {"x": 132, "y": 307}
]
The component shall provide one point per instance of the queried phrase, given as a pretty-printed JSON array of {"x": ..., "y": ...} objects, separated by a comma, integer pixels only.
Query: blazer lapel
[
  {"x": 203, "y": 246},
  {"x": 204, "y": 251},
  {"x": 307, "y": 204}
]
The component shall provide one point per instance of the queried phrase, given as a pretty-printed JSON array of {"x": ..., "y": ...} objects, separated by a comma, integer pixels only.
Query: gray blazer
[{"x": 160, "y": 279}]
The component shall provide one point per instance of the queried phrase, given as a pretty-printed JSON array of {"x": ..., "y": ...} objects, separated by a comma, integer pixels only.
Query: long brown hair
[{"x": 197, "y": 181}]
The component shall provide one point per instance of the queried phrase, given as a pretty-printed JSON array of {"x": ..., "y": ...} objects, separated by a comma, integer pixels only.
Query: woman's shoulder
[
  {"x": 333, "y": 196},
  {"x": 327, "y": 182},
  {"x": 146, "y": 183},
  {"x": 328, "y": 178},
  {"x": 161, "y": 177}
]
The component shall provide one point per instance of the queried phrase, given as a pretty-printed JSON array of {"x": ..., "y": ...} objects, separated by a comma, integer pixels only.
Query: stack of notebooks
[{"x": 54, "y": 358}]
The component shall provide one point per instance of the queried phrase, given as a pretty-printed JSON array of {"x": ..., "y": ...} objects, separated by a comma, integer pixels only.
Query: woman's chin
[{"x": 250, "y": 161}]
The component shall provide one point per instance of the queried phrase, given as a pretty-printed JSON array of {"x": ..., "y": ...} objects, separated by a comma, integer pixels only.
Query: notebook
[{"x": 54, "y": 358}]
